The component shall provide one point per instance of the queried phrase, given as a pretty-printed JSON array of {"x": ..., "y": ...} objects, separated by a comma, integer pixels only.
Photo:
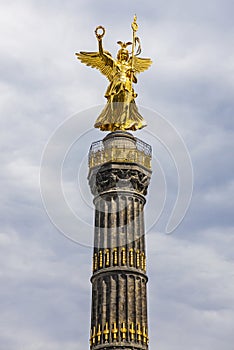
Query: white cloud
[{"x": 191, "y": 295}]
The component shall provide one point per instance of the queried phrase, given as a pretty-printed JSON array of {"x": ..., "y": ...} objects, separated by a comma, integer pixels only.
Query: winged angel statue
[{"x": 120, "y": 112}]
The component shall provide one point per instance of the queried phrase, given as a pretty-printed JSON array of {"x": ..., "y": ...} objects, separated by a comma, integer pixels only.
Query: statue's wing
[
  {"x": 104, "y": 63},
  {"x": 140, "y": 64}
]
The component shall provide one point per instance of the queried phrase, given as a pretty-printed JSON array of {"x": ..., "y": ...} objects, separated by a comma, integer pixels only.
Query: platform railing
[{"x": 140, "y": 154}]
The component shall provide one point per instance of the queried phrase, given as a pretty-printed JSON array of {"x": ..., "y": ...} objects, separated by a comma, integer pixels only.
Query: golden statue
[{"x": 120, "y": 112}]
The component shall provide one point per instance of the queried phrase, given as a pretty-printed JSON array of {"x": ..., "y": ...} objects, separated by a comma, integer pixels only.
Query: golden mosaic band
[
  {"x": 119, "y": 257},
  {"x": 136, "y": 332}
]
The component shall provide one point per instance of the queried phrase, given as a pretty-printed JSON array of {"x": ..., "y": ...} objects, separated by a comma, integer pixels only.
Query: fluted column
[{"x": 119, "y": 297}]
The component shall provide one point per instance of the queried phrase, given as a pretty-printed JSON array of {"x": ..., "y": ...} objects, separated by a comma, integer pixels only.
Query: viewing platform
[{"x": 120, "y": 147}]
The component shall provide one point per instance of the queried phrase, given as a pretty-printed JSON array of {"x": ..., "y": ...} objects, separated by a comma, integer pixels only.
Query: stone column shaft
[{"x": 119, "y": 298}]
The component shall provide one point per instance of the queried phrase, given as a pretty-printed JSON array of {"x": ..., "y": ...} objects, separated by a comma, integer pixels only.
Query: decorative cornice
[{"x": 118, "y": 270}]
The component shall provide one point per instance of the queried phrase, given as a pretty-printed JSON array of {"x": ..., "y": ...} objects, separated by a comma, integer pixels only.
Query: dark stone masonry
[{"x": 119, "y": 176}]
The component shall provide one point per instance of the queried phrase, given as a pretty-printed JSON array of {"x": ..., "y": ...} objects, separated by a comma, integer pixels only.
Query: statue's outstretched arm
[
  {"x": 100, "y": 47},
  {"x": 99, "y": 36},
  {"x": 105, "y": 55}
]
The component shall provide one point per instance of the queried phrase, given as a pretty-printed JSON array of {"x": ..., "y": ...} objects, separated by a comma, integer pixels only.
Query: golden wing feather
[
  {"x": 141, "y": 64},
  {"x": 103, "y": 63}
]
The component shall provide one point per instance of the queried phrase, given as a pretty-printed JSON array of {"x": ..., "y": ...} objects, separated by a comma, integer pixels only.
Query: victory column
[{"x": 119, "y": 175}]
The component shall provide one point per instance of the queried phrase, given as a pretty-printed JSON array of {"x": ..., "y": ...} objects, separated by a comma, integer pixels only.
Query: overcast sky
[{"x": 44, "y": 276}]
